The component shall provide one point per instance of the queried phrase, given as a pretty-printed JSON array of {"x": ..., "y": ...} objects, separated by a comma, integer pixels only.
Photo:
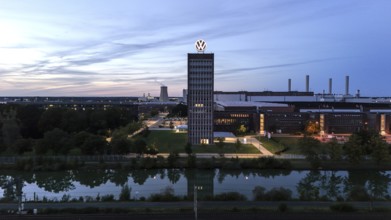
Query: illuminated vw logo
[{"x": 200, "y": 45}]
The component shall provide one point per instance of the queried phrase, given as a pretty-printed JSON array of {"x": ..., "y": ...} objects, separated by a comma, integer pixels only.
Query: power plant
[{"x": 163, "y": 94}]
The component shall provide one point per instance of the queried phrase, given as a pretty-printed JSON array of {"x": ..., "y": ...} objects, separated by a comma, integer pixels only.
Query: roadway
[
  {"x": 207, "y": 210},
  {"x": 206, "y": 205}
]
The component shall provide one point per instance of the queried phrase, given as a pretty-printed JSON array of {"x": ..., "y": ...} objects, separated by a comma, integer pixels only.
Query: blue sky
[{"x": 127, "y": 48}]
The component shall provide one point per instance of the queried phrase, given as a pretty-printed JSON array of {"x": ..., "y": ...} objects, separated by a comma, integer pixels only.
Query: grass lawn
[
  {"x": 280, "y": 143},
  {"x": 168, "y": 141}
]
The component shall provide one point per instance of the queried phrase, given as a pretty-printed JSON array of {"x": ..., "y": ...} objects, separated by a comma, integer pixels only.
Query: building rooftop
[{"x": 249, "y": 104}]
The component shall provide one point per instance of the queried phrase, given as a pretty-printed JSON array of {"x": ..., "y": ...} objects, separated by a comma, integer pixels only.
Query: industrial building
[{"x": 290, "y": 111}]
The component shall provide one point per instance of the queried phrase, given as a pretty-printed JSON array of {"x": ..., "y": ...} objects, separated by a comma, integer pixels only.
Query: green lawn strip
[
  {"x": 292, "y": 143},
  {"x": 277, "y": 144},
  {"x": 170, "y": 141},
  {"x": 271, "y": 145}
]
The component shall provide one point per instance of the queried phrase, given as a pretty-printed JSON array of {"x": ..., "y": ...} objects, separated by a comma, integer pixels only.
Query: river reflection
[{"x": 305, "y": 185}]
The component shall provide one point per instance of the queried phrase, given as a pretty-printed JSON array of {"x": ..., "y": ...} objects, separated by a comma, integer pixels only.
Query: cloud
[{"x": 276, "y": 66}]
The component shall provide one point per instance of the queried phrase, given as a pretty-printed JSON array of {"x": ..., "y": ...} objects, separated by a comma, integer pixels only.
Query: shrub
[
  {"x": 107, "y": 198},
  {"x": 275, "y": 194},
  {"x": 278, "y": 194},
  {"x": 229, "y": 196},
  {"x": 358, "y": 193},
  {"x": 167, "y": 194},
  {"x": 282, "y": 207}
]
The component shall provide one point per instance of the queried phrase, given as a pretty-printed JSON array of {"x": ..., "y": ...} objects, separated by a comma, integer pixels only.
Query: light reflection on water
[{"x": 146, "y": 182}]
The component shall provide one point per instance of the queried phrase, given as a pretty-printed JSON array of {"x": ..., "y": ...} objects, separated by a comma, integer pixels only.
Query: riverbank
[
  {"x": 215, "y": 215},
  {"x": 55, "y": 163}
]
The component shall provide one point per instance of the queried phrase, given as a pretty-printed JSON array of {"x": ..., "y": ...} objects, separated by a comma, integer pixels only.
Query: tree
[
  {"x": 120, "y": 145},
  {"x": 312, "y": 127},
  {"x": 56, "y": 141},
  {"x": 22, "y": 145},
  {"x": 354, "y": 149},
  {"x": 140, "y": 146},
  {"x": 238, "y": 145},
  {"x": 73, "y": 121},
  {"x": 50, "y": 119},
  {"x": 220, "y": 145},
  {"x": 259, "y": 193},
  {"x": 188, "y": 148},
  {"x": 309, "y": 147},
  {"x": 242, "y": 129},
  {"x": 154, "y": 112},
  {"x": 173, "y": 175},
  {"x": 94, "y": 144},
  {"x": 125, "y": 193},
  {"x": 334, "y": 149},
  {"x": 365, "y": 143},
  {"x": 172, "y": 158},
  {"x": 380, "y": 152},
  {"x": 179, "y": 110},
  {"x": 29, "y": 116}
]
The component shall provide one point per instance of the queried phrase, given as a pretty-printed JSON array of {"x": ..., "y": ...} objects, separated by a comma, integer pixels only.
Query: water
[{"x": 303, "y": 184}]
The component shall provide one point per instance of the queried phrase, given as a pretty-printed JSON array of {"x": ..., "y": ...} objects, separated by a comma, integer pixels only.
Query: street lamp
[{"x": 196, "y": 188}]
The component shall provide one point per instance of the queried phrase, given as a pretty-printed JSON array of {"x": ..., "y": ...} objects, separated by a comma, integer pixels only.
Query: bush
[
  {"x": 107, "y": 198},
  {"x": 358, "y": 193},
  {"x": 282, "y": 207},
  {"x": 229, "y": 196},
  {"x": 342, "y": 207},
  {"x": 275, "y": 194},
  {"x": 166, "y": 195},
  {"x": 278, "y": 194}
]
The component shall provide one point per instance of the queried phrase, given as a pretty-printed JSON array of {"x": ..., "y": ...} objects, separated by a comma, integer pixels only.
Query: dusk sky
[{"x": 127, "y": 48}]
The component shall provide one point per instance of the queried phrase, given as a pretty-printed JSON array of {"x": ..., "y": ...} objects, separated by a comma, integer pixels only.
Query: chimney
[
  {"x": 330, "y": 86},
  {"x": 347, "y": 85},
  {"x": 289, "y": 85},
  {"x": 307, "y": 83}
]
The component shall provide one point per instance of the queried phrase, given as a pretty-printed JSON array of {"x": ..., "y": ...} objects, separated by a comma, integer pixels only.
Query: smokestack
[
  {"x": 307, "y": 83},
  {"x": 330, "y": 86},
  {"x": 347, "y": 85},
  {"x": 163, "y": 94},
  {"x": 289, "y": 85},
  {"x": 358, "y": 93},
  {"x": 185, "y": 95}
]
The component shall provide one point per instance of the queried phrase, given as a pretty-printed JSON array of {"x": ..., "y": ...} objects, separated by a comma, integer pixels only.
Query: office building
[{"x": 200, "y": 84}]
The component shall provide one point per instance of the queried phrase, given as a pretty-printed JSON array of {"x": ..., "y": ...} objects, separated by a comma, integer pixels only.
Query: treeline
[
  {"x": 33, "y": 130},
  {"x": 363, "y": 145}
]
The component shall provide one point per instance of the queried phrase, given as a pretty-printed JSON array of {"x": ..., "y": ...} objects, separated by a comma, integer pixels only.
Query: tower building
[{"x": 200, "y": 84}]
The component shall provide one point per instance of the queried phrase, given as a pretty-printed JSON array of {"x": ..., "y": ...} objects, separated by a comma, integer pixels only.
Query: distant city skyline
[{"x": 128, "y": 48}]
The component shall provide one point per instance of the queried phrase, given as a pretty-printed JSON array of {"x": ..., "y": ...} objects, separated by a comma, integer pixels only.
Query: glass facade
[{"x": 200, "y": 86}]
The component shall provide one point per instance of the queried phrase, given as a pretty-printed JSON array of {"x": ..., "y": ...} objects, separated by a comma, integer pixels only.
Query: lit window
[
  {"x": 199, "y": 105},
  {"x": 204, "y": 141}
]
